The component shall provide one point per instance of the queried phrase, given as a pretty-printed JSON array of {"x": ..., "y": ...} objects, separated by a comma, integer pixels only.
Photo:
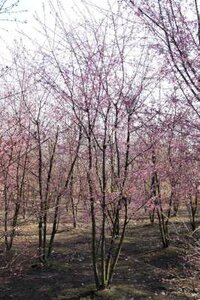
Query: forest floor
[{"x": 144, "y": 271}]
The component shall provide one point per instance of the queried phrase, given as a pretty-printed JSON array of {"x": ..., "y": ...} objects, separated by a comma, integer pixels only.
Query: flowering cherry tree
[{"x": 176, "y": 28}]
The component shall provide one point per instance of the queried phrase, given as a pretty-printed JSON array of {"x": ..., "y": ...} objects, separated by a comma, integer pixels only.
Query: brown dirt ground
[{"x": 144, "y": 271}]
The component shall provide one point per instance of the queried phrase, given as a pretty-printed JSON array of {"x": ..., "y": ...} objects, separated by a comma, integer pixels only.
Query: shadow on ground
[{"x": 145, "y": 271}]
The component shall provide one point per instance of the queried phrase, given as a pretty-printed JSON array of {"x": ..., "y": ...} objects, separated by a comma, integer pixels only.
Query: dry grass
[{"x": 145, "y": 270}]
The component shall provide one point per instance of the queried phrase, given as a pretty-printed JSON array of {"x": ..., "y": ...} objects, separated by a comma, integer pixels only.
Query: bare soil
[{"x": 144, "y": 271}]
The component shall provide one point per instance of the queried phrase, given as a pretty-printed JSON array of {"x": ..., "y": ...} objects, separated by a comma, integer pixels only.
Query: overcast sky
[{"x": 11, "y": 30}]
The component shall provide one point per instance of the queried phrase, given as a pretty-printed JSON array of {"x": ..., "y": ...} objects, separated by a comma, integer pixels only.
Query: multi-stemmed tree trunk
[
  {"x": 46, "y": 244},
  {"x": 106, "y": 114},
  {"x": 44, "y": 190},
  {"x": 14, "y": 163},
  {"x": 163, "y": 218},
  {"x": 60, "y": 193}
]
